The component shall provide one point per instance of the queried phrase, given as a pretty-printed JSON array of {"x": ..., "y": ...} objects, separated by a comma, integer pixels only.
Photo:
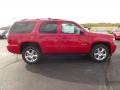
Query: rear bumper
[{"x": 13, "y": 49}]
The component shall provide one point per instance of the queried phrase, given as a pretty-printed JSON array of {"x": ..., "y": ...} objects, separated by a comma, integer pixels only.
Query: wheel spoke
[
  {"x": 35, "y": 55},
  {"x": 32, "y": 52},
  {"x": 99, "y": 57},
  {"x": 28, "y": 52},
  {"x": 103, "y": 50},
  {"x": 26, "y": 56},
  {"x": 95, "y": 54},
  {"x": 104, "y": 55}
]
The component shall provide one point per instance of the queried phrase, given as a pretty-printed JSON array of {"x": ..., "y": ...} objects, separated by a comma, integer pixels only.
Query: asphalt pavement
[{"x": 58, "y": 72}]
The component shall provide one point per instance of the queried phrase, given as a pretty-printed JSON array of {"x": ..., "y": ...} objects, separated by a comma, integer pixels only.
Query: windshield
[{"x": 86, "y": 29}]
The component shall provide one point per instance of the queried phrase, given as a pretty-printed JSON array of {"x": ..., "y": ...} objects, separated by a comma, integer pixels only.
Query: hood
[
  {"x": 116, "y": 32},
  {"x": 101, "y": 34}
]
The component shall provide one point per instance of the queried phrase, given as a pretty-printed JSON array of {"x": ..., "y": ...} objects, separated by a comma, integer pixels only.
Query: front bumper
[{"x": 113, "y": 48}]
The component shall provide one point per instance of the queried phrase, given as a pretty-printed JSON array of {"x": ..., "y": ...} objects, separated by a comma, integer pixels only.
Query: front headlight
[{"x": 114, "y": 40}]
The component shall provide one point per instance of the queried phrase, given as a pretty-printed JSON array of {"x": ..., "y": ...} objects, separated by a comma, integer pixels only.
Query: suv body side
[{"x": 58, "y": 42}]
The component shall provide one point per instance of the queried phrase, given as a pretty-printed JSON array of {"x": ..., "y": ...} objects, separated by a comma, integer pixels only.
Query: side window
[
  {"x": 22, "y": 27},
  {"x": 48, "y": 27},
  {"x": 70, "y": 28}
]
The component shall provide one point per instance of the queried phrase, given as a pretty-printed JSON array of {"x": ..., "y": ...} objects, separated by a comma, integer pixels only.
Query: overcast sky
[{"x": 81, "y": 11}]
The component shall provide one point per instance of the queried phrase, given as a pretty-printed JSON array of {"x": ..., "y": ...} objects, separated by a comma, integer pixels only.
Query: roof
[{"x": 41, "y": 19}]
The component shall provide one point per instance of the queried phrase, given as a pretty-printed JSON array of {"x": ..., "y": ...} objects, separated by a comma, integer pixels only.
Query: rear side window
[
  {"x": 48, "y": 27},
  {"x": 22, "y": 27}
]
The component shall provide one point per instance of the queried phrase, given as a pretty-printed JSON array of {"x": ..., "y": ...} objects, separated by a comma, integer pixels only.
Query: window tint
[
  {"x": 22, "y": 27},
  {"x": 49, "y": 27},
  {"x": 70, "y": 28}
]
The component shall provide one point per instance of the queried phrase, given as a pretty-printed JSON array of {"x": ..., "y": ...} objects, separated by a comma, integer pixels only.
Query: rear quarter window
[{"x": 22, "y": 27}]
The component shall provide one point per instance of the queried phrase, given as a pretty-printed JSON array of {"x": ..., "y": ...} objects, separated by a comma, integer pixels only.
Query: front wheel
[
  {"x": 31, "y": 54},
  {"x": 100, "y": 53}
]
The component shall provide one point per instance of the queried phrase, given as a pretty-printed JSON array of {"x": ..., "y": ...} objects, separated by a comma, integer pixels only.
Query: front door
[{"x": 71, "y": 41}]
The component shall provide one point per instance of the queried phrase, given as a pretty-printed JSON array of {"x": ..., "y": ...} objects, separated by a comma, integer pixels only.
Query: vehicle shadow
[{"x": 72, "y": 69}]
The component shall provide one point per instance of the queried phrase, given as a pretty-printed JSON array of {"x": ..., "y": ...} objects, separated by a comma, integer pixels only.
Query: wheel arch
[
  {"x": 104, "y": 43},
  {"x": 25, "y": 44}
]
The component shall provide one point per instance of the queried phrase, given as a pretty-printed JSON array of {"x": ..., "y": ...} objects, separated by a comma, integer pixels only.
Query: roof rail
[
  {"x": 41, "y": 19},
  {"x": 48, "y": 19}
]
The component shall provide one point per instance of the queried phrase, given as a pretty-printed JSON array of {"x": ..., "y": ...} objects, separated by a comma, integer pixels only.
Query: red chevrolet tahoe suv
[{"x": 35, "y": 38}]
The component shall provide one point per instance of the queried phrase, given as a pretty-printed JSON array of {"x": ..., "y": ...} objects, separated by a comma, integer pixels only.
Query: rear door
[{"x": 48, "y": 37}]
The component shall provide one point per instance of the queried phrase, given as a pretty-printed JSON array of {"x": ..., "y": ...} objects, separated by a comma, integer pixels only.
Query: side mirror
[{"x": 82, "y": 31}]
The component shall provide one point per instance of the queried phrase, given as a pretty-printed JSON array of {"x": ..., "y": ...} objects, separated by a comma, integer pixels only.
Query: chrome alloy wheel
[
  {"x": 100, "y": 54},
  {"x": 31, "y": 55}
]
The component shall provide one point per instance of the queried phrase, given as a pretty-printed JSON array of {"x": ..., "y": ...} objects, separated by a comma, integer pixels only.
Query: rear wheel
[
  {"x": 31, "y": 54},
  {"x": 100, "y": 53}
]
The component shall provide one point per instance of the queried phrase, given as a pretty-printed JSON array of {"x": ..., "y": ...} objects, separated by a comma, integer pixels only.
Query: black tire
[
  {"x": 106, "y": 53},
  {"x": 37, "y": 52}
]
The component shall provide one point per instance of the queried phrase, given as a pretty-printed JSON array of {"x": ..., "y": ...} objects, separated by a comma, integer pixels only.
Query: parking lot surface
[{"x": 58, "y": 72}]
